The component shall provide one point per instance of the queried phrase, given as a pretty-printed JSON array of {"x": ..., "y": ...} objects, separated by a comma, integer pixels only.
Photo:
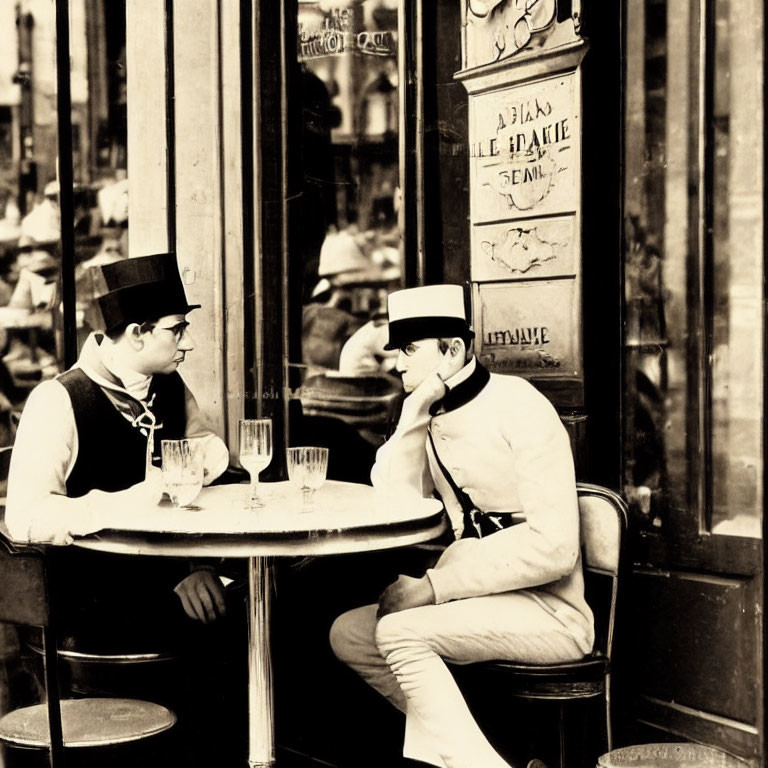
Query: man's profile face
[
  {"x": 417, "y": 360},
  {"x": 165, "y": 345}
]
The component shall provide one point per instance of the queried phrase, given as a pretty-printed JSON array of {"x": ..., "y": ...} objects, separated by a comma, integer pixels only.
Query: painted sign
[
  {"x": 333, "y": 33},
  {"x": 524, "y": 150},
  {"x": 531, "y": 248},
  {"x": 529, "y": 328}
]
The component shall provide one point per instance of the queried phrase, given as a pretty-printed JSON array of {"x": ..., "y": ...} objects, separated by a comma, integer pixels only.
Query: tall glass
[
  {"x": 182, "y": 470},
  {"x": 307, "y": 467},
  {"x": 255, "y": 452}
]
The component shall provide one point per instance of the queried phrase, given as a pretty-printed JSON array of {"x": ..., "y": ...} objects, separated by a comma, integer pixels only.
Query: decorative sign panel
[
  {"x": 529, "y": 328},
  {"x": 525, "y": 150},
  {"x": 531, "y": 248},
  {"x": 497, "y": 29}
]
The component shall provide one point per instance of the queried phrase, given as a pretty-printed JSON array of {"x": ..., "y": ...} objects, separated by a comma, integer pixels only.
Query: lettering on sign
[
  {"x": 514, "y": 336},
  {"x": 524, "y": 149},
  {"x": 335, "y": 36},
  {"x": 530, "y": 326}
]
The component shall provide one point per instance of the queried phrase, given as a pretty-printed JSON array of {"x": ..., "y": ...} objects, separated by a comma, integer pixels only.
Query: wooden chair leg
[
  {"x": 608, "y": 729},
  {"x": 562, "y": 733}
]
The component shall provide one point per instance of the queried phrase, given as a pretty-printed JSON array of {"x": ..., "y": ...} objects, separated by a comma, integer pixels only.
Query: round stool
[{"x": 685, "y": 755}]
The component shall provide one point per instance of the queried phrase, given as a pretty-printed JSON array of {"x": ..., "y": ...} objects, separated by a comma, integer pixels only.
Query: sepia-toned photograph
[{"x": 382, "y": 384}]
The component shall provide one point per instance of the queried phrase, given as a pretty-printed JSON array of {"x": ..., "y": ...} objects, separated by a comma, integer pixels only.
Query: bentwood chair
[
  {"x": 62, "y": 725},
  {"x": 603, "y": 518}
]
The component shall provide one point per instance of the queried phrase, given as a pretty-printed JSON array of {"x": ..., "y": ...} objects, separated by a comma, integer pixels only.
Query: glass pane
[
  {"x": 99, "y": 138},
  {"x": 349, "y": 79},
  {"x": 694, "y": 328},
  {"x": 30, "y": 220},
  {"x": 656, "y": 331},
  {"x": 31, "y": 325},
  {"x": 737, "y": 332}
]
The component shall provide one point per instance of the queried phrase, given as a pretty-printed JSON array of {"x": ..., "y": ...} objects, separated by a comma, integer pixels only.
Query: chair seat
[
  {"x": 668, "y": 755},
  {"x": 94, "y": 722},
  {"x": 575, "y": 679},
  {"x": 108, "y": 658}
]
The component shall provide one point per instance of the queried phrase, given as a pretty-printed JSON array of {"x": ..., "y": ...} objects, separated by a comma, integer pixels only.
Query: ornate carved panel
[
  {"x": 524, "y": 249},
  {"x": 499, "y": 29}
]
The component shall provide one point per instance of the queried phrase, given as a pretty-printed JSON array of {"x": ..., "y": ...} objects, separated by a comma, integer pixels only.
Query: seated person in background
[
  {"x": 328, "y": 319},
  {"x": 87, "y": 452},
  {"x": 365, "y": 351},
  {"x": 511, "y": 585},
  {"x": 37, "y": 278},
  {"x": 86, "y": 279}
]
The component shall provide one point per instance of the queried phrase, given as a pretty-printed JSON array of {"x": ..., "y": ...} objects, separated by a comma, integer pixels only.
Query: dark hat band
[
  {"x": 139, "y": 303},
  {"x": 402, "y": 332}
]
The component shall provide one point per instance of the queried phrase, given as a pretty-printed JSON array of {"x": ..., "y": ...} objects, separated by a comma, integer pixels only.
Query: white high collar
[{"x": 462, "y": 375}]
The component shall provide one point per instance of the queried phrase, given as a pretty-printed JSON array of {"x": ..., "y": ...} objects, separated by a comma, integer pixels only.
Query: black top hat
[{"x": 140, "y": 289}]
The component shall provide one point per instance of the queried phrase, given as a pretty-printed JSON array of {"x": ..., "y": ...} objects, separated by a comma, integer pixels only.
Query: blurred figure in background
[
  {"x": 364, "y": 352},
  {"x": 327, "y": 321}
]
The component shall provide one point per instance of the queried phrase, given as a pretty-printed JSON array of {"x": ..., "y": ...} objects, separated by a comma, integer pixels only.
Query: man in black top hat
[{"x": 88, "y": 451}]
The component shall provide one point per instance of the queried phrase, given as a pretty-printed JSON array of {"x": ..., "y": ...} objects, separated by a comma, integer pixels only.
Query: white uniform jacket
[{"x": 505, "y": 446}]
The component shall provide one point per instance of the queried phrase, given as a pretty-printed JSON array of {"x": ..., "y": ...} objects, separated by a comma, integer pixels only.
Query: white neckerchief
[
  {"x": 137, "y": 385},
  {"x": 134, "y": 383}
]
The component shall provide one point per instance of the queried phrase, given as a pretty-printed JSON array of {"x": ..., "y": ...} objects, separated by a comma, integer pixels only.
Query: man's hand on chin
[
  {"x": 202, "y": 596},
  {"x": 405, "y": 593}
]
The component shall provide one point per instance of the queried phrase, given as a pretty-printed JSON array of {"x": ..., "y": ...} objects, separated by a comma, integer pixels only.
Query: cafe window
[
  {"x": 347, "y": 75},
  {"x": 33, "y": 305},
  {"x": 694, "y": 323}
]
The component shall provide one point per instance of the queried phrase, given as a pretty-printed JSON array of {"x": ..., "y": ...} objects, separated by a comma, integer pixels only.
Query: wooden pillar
[
  {"x": 185, "y": 174},
  {"x": 198, "y": 189},
  {"x": 147, "y": 147}
]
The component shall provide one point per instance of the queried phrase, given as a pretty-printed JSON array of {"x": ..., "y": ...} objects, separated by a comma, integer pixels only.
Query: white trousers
[{"x": 401, "y": 656}]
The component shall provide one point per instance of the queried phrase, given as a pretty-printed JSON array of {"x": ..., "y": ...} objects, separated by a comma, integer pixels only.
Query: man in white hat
[{"x": 510, "y": 586}]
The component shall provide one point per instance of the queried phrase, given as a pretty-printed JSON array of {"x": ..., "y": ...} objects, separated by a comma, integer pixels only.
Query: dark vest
[
  {"x": 111, "y": 452},
  {"x": 108, "y": 602}
]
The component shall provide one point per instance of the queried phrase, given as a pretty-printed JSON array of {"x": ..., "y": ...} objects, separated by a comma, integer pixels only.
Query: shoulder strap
[
  {"x": 467, "y": 505},
  {"x": 472, "y": 528}
]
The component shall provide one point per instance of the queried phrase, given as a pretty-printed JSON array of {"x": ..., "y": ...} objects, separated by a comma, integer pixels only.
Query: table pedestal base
[{"x": 261, "y": 736}]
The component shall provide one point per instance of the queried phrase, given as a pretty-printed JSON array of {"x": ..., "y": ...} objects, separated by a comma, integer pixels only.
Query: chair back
[
  {"x": 603, "y": 517},
  {"x": 23, "y": 587},
  {"x": 24, "y": 601}
]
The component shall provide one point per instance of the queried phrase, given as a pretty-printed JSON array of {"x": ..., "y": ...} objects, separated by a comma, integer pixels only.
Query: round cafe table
[{"x": 346, "y": 518}]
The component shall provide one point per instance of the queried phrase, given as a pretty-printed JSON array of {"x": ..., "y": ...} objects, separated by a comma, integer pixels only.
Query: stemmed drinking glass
[
  {"x": 182, "y": 470},
  {"x": 307, "y": 466},
  {"x": 255, "y": 441}
]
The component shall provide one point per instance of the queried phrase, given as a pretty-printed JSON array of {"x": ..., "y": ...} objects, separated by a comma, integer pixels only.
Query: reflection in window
[
  {"x": 737, "y": 363},
  {"x": 693, "y": 285},
  {"x": 31, "y": 332},
  {"x": 350, "y": 228}
]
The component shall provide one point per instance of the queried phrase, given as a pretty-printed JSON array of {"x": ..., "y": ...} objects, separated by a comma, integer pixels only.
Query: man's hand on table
[
  {"x": 149, "y": 491},
  {"x": 405, "y": 593},
  {"x": 202, "y": 596}
]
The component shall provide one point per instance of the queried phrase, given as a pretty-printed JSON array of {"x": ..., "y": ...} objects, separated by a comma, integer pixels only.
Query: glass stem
[
  {"x": 255, "y": 487},
  {"x": 306, "y": 497}
]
